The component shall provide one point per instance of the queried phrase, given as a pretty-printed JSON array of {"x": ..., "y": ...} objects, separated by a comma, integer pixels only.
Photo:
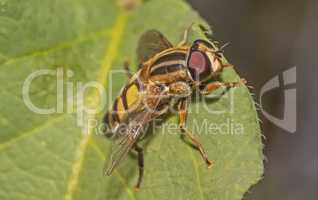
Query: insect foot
[
  {"x": 209, "y": 163},
  {"x": 236, "y": 84}
]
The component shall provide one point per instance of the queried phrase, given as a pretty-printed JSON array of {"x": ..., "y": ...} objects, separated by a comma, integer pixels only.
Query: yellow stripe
[
  {"x": 132, "y": 95},
  {"x": 120, "y": 108},
  {"x": 110, "y": 56}
]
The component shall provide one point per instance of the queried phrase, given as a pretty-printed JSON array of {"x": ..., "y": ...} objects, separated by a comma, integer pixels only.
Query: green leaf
[{"x": 49, "y": 157}]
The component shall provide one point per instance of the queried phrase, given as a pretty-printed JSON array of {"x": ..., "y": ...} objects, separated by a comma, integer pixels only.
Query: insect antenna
[{"x": 224, "y": 45}]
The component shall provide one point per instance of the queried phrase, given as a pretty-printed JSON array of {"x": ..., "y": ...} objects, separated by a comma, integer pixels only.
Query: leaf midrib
[{"x": 110, "y": 55}]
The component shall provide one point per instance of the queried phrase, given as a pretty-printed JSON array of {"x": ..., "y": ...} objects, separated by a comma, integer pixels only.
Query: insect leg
[
  {"x": 180, "y": 89},
  {"x": 182, "y": 121},
  {"x": 185, "y": 35},
  {"x": 140, "y": 152},
  {"x": 211, "y": 87},
  {"x": 127, "y": 69}
]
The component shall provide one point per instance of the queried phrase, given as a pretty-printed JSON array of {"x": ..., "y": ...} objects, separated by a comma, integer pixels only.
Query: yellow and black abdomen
[
  {"x": 163, "y": 69},
  {"x": 127, "y": 101}
]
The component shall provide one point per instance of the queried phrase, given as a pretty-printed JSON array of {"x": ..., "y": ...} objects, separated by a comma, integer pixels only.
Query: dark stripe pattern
[
  {"x": 170, "y": 62},
  {"x": 124, "y": 93},
  {"x": 114, "y": 114},
  {"x": 166, "y": 69},
  {"x": 170, "y": 57}
]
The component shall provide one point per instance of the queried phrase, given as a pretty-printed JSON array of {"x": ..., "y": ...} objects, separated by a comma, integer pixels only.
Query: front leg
[
  {"x": 211, "y": 87},
  {"x": 182, "y": 122},
  {"x": 183, "y": 90}
]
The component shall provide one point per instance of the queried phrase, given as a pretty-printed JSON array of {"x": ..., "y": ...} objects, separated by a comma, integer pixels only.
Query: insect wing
[
  {"x": 150, "y": 43},
  {"x": 125, "y": 142}
]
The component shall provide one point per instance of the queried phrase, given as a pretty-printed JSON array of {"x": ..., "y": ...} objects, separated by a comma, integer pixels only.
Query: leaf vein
[
  {"x": 195, "y": 166},
  {"x": 110, "y": 55},
  {"x": 100, "y": 154},
  {"x": 64, "y": 45},
  {"x": 31, "y": 132}
]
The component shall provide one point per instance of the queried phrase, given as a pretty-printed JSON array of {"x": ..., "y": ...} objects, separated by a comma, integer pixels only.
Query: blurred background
[{"x": 266, "y": 38}]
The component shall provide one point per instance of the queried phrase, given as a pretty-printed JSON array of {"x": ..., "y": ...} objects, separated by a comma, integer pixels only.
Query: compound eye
[{"x": 198, "y": 65}]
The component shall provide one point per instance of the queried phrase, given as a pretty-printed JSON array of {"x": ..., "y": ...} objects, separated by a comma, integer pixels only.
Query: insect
[{"x": 167, "y": 73}]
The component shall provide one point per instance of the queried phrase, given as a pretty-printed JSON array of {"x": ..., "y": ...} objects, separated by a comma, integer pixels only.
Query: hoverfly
[{"x": 166, "y": 73}]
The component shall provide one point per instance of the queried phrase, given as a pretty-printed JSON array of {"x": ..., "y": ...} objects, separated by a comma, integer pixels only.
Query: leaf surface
[{"x": 49, "y": 156}]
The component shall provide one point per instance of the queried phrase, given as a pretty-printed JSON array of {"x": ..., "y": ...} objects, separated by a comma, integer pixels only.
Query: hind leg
[
  {"x": 127, "y": 69},
  {"x": 140, "y": 152}
]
